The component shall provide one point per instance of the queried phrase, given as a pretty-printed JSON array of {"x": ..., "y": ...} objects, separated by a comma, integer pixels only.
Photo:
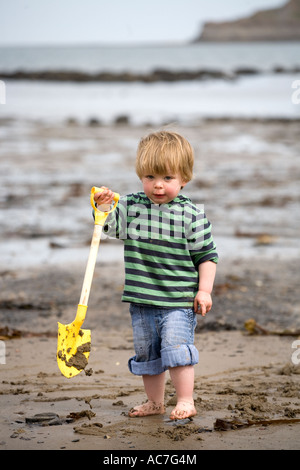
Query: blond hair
[{"x": 163, "y": 153}]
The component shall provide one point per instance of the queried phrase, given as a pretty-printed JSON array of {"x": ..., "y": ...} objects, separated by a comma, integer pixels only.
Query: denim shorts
[{"x": 163, "y": 338}]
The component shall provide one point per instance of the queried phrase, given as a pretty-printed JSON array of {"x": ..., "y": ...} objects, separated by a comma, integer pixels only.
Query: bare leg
[
  {"x": 155, "y": 390},
  {"x": 183, "y": 380}
]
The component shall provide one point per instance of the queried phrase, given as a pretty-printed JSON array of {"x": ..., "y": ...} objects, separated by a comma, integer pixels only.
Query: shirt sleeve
[
  {"x": 200, "y": 240},
  {"x": 116, "y": 222}
]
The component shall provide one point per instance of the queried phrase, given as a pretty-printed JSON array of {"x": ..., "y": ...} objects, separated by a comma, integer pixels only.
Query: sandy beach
[{"x": 246, "y": 386}]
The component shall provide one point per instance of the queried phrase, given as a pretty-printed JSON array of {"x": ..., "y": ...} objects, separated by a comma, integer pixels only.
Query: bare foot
[
  {"x": 183, "y": 410},
  {"x": 147, "y": 409}
]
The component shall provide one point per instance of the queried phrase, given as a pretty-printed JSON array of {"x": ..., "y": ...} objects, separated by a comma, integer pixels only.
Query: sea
[
  {"x": 270, "y": 92},
  {"x": 59, "y": 157}
]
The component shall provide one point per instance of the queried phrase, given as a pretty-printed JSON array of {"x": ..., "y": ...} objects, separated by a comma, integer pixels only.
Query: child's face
[{"x": 161, "y": 189}]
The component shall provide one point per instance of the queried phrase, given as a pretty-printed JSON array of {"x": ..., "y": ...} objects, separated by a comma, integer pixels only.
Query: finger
[
  {"x": 199, "y": 307},
  {"x": 202, "y": 308},
  {"x": 109, "y": 197},
  {"x": 98, "y": 195},
  {"x": 105, "y": 196}
]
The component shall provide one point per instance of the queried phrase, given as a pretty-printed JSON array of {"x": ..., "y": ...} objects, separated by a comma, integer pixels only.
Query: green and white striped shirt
[{"x": 163, "y": 247}]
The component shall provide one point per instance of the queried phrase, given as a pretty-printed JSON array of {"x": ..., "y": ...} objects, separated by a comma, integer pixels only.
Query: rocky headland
[{"x": 277, "y": 24}]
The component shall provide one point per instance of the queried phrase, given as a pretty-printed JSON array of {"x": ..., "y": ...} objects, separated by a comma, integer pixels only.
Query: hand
[
  {"x": 202, "y": 303},
  {"x": 104, "y": 197}
]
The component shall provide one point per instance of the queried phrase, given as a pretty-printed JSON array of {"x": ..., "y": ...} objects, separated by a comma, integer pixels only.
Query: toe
[{"x": 183, "y": 410}]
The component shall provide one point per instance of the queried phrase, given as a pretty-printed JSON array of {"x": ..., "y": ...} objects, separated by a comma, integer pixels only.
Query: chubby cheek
[
  {"x": 147, "y": 186},
  {"x": 173, "y": 190}
]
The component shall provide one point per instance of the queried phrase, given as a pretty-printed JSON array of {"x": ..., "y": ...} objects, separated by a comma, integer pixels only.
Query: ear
[{"x": 183, "y": 183}]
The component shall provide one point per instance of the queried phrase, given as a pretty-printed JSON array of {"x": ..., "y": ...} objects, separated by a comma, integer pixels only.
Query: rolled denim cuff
[
  {"x": 181, "y": 355},
  {"x": 154, "y": 367}
]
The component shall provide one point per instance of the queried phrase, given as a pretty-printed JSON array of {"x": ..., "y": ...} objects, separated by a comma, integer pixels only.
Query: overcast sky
[{"x": 115, "y": 21}]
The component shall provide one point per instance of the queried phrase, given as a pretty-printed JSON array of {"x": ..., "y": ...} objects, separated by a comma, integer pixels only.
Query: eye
[
  {"x": 168, "y": 178},
  {"x": 149, "y": 177}
]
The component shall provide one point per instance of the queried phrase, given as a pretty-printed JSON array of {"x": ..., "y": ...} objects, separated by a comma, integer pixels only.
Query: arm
[{"x": 203, "y": 301}]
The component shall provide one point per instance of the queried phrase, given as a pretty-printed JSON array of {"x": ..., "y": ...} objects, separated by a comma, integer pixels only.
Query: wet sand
[
  {"x": 238, "y": 378},
  {"x": 247, "y": 176}
]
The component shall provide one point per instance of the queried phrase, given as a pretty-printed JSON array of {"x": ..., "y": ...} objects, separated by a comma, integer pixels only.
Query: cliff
[{"x": 278, "y": 24}]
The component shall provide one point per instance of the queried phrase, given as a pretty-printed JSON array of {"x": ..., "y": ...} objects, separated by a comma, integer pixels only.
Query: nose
[{"x": 158, "y": 183}]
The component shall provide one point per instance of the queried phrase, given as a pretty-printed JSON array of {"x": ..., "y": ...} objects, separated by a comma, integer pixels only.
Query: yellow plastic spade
[{"x": 74, "y": 343}]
